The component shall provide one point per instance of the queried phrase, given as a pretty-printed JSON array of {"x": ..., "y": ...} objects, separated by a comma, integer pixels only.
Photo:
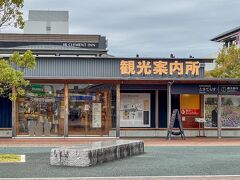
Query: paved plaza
[{"x": 162, "y": 159}]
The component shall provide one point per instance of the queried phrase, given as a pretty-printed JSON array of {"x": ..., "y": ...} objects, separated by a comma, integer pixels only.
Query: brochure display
[
  {"x": 96, "y": 115},
  {"x": 135, "y": 110},
  {"x": 200, "y": 121}
]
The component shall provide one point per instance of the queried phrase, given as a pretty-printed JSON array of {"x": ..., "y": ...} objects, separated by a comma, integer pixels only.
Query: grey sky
[{"x": 150, "y": 28}]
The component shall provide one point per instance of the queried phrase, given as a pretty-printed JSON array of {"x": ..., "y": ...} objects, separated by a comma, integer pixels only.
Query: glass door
[{"x": 89, "y": 110}]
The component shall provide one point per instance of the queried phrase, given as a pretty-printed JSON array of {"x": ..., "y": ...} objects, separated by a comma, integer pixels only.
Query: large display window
[
  {"x": 230, "y": 111},
  {"x": 135, "y": 110},
  {"x": 41, "y": 110},
  {"x": 89, "y": 109}
]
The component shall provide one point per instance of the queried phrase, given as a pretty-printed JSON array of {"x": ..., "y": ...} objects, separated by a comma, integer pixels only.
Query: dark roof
[
  {"x": 201, "y": 60},
  {"x": 43, "y": 47},
  {"x": 125, "y": 80},
  {"x": 48, "y": 37},
  {"x": 227, "y": 33},
  {"x": 48, "y": 51}
]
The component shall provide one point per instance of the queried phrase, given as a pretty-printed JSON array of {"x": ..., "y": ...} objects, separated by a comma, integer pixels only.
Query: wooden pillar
[
  {"x": 219, "y": 119},
  {"x": 14, "y": 114},
  {"x": 108, "y": 118},
  {"x": 202, "y": 105},
  {"x": 156, "y": 109},
  {"x": 118, "y": 110},
  {"x": 65, "y": 110},
  {"x": 169, "y": 109}
]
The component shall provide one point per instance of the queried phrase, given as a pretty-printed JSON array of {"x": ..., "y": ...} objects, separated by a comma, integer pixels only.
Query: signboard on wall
[
  {"x": 88, "y": 45},
  {"x": 206, "y": 89},
  {"x": 160, "y": 68},
  {"x": 80, "y": 44},
  {"x": 135, "y": 110},
  {"x": 229, "y": 89},
  {"x": 190, "y": 105},
  {"x": 38, "y": 89},
  {"x": 96, "y": 115},
  {"x": 190, "y": 112}
]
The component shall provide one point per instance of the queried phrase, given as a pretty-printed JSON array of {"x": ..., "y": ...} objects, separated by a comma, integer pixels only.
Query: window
[
  {"x": 230, "y": 111},
  {"x": 41, "y": 110}
]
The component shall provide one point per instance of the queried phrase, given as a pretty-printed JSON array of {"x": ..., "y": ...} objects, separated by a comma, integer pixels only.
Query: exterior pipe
[
  {"x": 156, "y": 109},
  {"x": 14, "y": 112},
  {"x": 65, "y": 110},
  {"x": 169, "y": 109}
]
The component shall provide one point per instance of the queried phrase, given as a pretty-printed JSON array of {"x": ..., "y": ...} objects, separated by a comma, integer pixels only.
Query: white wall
[{"x": 40, "y": 27}]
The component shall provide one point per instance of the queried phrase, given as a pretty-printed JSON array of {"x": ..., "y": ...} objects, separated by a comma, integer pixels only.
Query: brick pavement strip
[
  {"x": 224, "y": 177},
  {"x": 56, "y": 142}
]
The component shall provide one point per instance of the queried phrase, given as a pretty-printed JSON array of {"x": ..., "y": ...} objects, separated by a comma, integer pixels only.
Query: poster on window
[
  {"x": 96, "y": 115},
  {"x": 135, "y": 110},
  {"x": 230, "y": 111},
  {"x": 62, "y": 109}
]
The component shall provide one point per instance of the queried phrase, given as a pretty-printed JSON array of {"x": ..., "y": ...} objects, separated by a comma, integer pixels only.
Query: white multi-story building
[
  {"x": 47, "y": 22},
  {"x": 228, "y": 38}
]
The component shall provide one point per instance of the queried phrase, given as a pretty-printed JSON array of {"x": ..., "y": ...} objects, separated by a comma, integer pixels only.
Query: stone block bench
[{"x": 95, "y": 153}]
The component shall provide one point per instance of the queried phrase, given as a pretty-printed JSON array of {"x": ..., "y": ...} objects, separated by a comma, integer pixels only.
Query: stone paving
[
  {"x": 208, "y": 158},
  {"x": 156, "y": 161}
]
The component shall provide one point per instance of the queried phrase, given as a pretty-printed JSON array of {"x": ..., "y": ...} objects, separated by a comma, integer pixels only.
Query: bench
[{"x": 95, "y": 153}]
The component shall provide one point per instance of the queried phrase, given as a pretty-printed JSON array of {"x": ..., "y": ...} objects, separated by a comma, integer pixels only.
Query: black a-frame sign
[{"x": 175, "y": 115}]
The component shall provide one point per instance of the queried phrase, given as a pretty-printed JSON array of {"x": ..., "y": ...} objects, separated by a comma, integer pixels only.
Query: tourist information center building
[{"x": 77, "y": 89}]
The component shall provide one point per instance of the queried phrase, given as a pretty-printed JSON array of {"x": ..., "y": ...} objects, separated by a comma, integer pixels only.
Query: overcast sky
[{"x": 150, "y": 28}]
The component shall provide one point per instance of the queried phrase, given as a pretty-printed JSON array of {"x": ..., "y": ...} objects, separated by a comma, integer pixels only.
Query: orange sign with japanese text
[
  {"x": 145, "y": 67},
  {"x": 190, "y": 112}
]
